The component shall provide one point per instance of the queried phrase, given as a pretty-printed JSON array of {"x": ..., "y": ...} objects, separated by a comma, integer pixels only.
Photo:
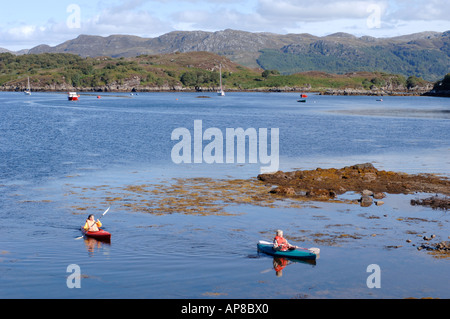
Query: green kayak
[{"x": 299, "y": 253}]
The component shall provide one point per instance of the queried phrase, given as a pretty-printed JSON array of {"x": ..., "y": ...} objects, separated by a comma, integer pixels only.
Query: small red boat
[
  {"x": 99, "y": 235},
  {"x": 73, "y": 96}
]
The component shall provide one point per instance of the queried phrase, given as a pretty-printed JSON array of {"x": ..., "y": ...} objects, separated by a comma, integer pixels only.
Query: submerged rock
[
  {"x": 434, "y": 202},
  {"x": 366, "y": 201},
  {"x": 379, "y": 195}
]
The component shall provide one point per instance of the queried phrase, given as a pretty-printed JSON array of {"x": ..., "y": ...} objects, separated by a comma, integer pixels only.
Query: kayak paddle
[{"x": 94, "y": 222}]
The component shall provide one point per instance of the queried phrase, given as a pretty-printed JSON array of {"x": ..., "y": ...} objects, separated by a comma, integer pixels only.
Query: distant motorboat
[
  {"x": 302, "y": 101},
  {"x": 28, "y": 90},
  {"x": 73, "y": 96}
]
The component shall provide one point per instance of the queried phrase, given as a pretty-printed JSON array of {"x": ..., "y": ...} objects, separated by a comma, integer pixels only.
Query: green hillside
[
  {"x": 175, "y": 71},
  {"x": 425, "y": 63}
]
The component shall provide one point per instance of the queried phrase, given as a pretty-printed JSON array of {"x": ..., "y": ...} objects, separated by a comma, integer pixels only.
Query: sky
[{"x": 27, "y": 23}]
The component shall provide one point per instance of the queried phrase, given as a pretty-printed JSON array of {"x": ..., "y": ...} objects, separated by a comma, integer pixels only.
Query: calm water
[{"x": 59, "y": 156}]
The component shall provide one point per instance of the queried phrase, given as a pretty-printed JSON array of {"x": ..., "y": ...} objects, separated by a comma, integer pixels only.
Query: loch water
[{"x": 61, "y": 160}]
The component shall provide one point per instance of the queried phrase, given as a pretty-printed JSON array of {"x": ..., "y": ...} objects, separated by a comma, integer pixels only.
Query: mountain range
[{"x": 425, "y": 54}]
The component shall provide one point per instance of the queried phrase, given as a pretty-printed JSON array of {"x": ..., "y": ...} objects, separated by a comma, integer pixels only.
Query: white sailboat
[
  {"x": 220, "y": 92},
  {"x": 28, "y": 90}
]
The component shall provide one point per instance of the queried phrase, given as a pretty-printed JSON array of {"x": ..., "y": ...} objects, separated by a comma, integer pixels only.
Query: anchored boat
[
  {"x": 28, "y": 90},
  {"x": 73, "y": 96}
]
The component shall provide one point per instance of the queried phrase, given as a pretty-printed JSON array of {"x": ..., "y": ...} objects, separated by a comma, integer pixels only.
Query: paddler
[
  {"x": 91, "y": 224},
  {"x": 280, "y": 243}
]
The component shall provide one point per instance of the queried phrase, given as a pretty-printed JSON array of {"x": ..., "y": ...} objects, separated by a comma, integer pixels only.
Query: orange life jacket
[
  {"x": 92, "y": 225},
  {"x": 281, "y": 242}
]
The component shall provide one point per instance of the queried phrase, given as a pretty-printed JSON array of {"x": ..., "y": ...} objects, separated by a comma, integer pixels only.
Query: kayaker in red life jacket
[
  {"x": 91, "y": 224},
  {"x": 280, "y": 243}
]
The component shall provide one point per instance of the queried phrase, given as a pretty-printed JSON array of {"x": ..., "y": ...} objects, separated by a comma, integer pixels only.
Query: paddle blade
[{"x": 106, "y": 211}]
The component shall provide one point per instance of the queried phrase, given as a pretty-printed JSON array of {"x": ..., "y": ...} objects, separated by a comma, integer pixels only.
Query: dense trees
[
  {"x": 200, "y": 78},
  {"x": 426, "y": 63}
]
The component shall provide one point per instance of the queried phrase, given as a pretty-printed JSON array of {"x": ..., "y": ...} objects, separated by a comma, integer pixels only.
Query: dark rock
[
  {"x": 434, "y": 202},
  {"x": 366, "y": 201},
  {"x": 321, "y": 193},
  {"x": 289, "y": 191},
  {"x": 379, "y": 195}
]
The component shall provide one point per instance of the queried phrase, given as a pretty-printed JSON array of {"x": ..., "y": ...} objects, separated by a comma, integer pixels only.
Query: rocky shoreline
[
  {"x": 440, "y": 93},
  {"x": 163, "y": 89},
  {"x": 371, "y": 183},
  {"x": 418, "y": 91},
  {"x": 134, "y": 85}
]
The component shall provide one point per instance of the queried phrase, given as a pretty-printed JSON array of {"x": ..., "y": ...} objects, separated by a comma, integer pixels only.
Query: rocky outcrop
[
  {"x": 363, "y": 178},
  {"x": 441, "y": 88},
  {"x": 399, "y": 90},
  {"x": 434, "y": 202},
  {"x": 440, "y": 249},
  {"x": 132, "y": 84}
]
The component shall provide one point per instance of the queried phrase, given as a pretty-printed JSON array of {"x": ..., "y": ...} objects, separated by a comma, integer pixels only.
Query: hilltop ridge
[{"x": 425, "y": 54}]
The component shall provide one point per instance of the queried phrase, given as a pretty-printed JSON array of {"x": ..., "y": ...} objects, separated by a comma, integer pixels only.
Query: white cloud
[
  {"x": 295, "y": 10},
  {"x": 125, "y": 22},
  {"x": 355, "y": 16},
  {"x": 25, "y": 31},
  {"x": 221, "y": 19},
  {"x": 150, "y": 18},
  {"x": 419, "y": 10}
]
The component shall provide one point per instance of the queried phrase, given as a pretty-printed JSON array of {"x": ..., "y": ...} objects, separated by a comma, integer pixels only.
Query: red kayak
[{"x": 99, "y": 235}]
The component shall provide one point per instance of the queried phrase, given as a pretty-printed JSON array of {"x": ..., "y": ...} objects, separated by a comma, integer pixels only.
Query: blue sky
[{"x": 27, "y": 23}]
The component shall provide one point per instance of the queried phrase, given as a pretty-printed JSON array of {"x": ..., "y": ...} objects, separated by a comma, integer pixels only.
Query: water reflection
[
  {"x": 279, "y": 263},
  {"x": 95, "y": 245}
]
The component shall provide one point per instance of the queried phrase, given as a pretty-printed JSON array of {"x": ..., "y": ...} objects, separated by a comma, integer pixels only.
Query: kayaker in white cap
[{"x": 280, "y": 243}]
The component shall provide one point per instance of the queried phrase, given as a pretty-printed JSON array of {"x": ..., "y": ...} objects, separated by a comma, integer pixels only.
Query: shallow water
[{"x": 62, "y": 160}]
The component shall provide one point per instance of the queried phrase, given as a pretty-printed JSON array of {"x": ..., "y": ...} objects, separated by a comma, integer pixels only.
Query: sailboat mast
[
  {"x": 28, "y": 90},
  {"x": 220, "y": 77},
  {"x": 221, "y": 92}
]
